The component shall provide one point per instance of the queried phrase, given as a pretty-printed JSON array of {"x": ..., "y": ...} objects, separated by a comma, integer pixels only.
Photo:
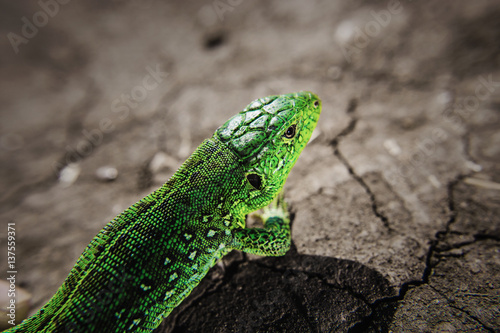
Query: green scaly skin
[{"x": 151, "y": 256}]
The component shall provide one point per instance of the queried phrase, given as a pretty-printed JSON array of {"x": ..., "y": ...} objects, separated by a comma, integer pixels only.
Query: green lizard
[{"x": 150, "y": 257}]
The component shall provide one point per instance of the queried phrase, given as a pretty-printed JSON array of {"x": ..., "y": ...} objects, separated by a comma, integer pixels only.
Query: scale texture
[{"x": 150, "y": 257}]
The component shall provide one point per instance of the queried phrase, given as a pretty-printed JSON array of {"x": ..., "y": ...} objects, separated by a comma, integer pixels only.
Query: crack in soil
[
  {"x": 378, "y": 305},
  {"x": 382, "y": 303},
  {"x": 299, "y": 303},
  {"x": 477, "y": 238},
  {"x": 335, "y": 143},
  {"x": 450, "y": 304},
  {"x": 367, "y": 189},
  {"x": 320, "y": 277}
]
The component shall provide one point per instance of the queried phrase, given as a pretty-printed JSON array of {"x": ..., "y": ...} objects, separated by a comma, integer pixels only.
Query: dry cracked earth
[{"x": 395, "y": 202}]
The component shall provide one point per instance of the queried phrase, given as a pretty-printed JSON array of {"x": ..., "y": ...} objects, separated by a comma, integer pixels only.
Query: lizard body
[{"x": 149, "y": 258}]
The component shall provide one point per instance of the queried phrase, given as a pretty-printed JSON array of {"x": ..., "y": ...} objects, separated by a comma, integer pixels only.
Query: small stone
[
  {"x": 475, "y": 267},
  {"x": 345, "y": 31},
  {"x": 392, "y": 147},
  {"x": 444, "y": 97},
  {"x": 106, "y": 173},
  {"x": 473, "y": 166},
  {"x": 69, "y": 174},
  {"x": 455, "y": 253},
  {"x": 408, "y": 123},
  {"x": 445, "y": 327},
  {"x": 162, "y": 161},
  {"x": 434, "y": 181}
]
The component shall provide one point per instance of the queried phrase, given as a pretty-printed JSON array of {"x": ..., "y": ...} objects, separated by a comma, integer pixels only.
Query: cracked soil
[{"x": 395, "y": 202}]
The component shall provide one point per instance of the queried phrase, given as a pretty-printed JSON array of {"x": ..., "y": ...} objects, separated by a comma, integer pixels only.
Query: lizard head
[{"x": 268, "y": 137}]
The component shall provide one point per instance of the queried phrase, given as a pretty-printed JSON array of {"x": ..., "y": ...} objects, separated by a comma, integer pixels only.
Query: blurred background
[{"x": 101, "y": 101}]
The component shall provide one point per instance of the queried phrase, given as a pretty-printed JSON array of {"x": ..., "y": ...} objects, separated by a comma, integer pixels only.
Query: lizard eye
[
  {"x": 290, "y": 132},
  {"x": 254, "y": 180},
  {"x": 316, "y": 104}
]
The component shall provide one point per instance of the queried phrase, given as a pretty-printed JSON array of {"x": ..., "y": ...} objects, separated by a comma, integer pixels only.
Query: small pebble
[
  {"x": 455, "y": 253},
  {"x": 444, "y": 98},
  {"x": 434, "y": 181},
  {"x": 392, "y": 147},
  {"x": 475, "y": 267},
  {"x": 106, "y": 173},
  {"x": 162, "y": 161},
  {"x": 473, "y": 166},
  {"x": 69, "y": 174}
]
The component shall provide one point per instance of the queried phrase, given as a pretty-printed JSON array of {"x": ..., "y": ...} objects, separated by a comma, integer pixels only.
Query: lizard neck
[{"x": 211, "y": 181}]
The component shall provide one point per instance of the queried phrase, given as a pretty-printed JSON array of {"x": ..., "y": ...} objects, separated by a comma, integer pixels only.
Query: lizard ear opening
[{"x": 255, "y": 180}]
